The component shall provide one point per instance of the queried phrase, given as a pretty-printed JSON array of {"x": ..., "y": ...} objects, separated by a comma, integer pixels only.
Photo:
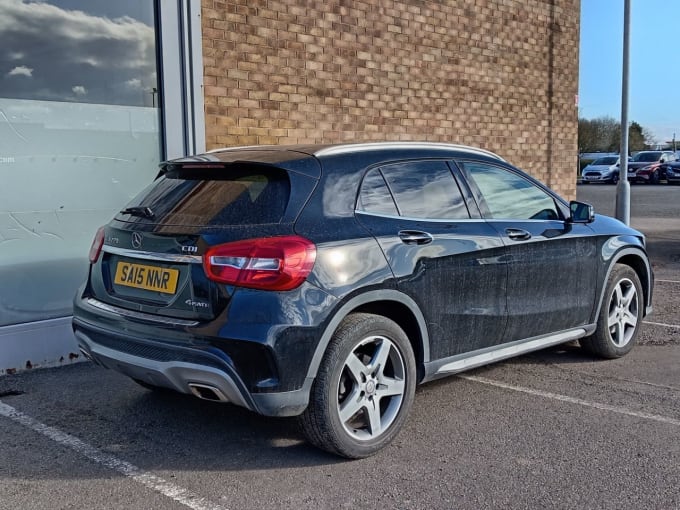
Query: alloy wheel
[
  {"x": 371, "y": 388},
  {"x": 623, "y": 312}
]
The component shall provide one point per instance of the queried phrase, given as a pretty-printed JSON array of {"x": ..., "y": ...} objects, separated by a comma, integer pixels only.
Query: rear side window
[
  {"x": 224, "y": 196},
  {"x": 425, "y": 189},
  {"x": 413, "y": 189}
]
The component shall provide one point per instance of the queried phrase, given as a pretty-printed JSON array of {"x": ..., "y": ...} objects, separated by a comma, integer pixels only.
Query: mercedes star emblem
[{"x": 136, "y": 240}]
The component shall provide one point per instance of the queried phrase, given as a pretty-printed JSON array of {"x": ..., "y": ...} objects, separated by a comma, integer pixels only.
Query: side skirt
[{"x": 474, "y": 359}]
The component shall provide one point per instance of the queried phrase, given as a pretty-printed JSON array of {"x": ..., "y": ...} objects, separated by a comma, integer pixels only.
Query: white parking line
[
  {"x": 666, "y": 281},
  {"x": 572, "y": 400},
  {"x": 674, "y": 326},
  {"x": 153, "y": 482}
]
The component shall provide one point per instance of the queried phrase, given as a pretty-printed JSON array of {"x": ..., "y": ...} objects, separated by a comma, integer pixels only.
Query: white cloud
[
  {"x": 92, "y": 61},
  {"x": 134, "y": 83},
  {"x": 79, "y": 90},
  {"x": 21, "y": 71}
]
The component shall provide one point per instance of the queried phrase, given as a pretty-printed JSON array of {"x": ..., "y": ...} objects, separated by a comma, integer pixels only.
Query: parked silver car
[{"x": 604, "y": 169}]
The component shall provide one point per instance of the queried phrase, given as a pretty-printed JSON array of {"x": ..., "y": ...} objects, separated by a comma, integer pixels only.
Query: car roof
[{"x": 305, "y": 158}]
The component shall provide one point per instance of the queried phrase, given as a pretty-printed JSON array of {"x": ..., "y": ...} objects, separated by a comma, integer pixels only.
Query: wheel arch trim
[
  {"x": 648, "y": 278},
  {"x": 381, "y": 295}
]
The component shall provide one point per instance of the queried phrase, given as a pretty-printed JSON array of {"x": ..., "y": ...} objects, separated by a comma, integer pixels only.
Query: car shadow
[
  {"x": 156, "y": 430},
  {"x": 570, "y": 353},
  {"x": 219, "y": 436}
]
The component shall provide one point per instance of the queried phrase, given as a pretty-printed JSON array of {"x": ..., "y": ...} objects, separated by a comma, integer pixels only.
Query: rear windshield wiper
[{"x": 138, "y": 210}]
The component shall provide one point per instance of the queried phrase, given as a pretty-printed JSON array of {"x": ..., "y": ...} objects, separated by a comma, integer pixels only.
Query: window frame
[{"x": 180, "y": 70}]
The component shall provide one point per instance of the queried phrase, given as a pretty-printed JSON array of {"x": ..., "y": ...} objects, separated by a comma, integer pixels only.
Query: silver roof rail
[
  {"x": 360, "y": 147},
  {"x": 225, "y": 149}
]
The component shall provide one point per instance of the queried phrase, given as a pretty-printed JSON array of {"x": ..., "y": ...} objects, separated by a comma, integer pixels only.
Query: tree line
[{"x": 603, "y": 134}]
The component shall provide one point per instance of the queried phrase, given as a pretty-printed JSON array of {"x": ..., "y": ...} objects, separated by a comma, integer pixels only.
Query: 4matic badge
[{"x": 197, "y": 304}]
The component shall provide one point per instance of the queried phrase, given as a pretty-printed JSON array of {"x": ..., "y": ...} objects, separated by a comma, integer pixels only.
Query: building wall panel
[{"x": 499, "y": 74}]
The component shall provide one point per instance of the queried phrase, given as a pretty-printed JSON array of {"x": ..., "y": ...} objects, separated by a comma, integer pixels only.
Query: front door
[{"x": 551, "y": 261}]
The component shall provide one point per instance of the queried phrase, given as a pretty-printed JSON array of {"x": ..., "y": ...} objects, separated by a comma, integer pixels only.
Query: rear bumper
[
  {"x": 204, "y": 374},
  {"x": 178, "y": 375}
]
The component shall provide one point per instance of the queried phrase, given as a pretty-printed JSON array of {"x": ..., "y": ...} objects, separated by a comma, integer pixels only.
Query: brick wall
[{"x": 498, "y": 74}]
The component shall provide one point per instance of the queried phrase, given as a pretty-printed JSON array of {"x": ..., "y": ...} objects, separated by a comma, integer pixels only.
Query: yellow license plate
[{"x": 146, "y": 277}]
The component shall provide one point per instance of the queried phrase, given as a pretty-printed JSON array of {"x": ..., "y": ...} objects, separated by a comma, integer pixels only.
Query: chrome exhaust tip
[{"x": 207, "y": 392}]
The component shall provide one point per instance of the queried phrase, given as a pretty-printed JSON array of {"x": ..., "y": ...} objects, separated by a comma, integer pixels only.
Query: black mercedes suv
[{"x": 325, "y": 282}]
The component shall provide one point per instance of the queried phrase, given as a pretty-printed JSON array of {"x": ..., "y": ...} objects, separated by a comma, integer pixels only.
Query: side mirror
[{"x": 581, "y": 212}]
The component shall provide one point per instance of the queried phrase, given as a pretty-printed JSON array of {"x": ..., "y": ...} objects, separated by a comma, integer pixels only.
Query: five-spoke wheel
[
  {"x": 371, "y": 388},
  {"x": 620, "y": 315},
  {"x": 364, "y": 387},
  {"x": 623, "y": 312}
]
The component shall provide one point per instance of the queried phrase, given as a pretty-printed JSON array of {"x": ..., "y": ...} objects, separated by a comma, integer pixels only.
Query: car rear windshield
[{"x": 217, "y": 196}]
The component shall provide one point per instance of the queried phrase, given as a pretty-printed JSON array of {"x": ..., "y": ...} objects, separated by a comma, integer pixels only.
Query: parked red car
[{"x": 647, "y": 166}]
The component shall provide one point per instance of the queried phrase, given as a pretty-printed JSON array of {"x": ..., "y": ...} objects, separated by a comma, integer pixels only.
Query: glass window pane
[
  {"x": 375, "y": 196},
  {"x": 246, "y": 196},
  {"x": 79, "y": 51},
  {"x": 425, "y": 189},
  {"x": 510, "y": 196},
  {"x": 79, "y": 137}
]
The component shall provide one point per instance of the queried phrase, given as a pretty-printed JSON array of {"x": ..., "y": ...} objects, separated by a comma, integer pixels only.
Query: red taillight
[
  {"x": 97, "y": 244},
  {"x": 269, "y": 263}
]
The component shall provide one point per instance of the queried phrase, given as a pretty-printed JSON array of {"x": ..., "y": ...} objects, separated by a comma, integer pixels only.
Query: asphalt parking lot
[{"x": 554, "y": 429}]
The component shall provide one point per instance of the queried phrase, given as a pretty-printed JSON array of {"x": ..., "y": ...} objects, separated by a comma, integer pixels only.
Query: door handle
[
  {"x": 517, "y": 234},
  {"x": 415, "y": 237}
]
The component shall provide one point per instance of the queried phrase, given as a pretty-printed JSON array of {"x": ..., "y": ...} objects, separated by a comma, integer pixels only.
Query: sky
[{"x": 654, "y": 87}]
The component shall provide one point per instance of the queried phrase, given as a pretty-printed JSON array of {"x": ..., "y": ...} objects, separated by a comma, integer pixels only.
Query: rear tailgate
[{"x": 152, "y": 255}]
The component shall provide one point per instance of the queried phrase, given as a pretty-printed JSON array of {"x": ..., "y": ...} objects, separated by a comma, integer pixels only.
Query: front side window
[{"x": 508, "y": 195}]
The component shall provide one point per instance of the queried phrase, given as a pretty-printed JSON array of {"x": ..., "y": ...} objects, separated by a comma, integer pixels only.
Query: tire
[
  {"x": 615, "y": 179},
  {"x": 654, "y": 178},
  {"x": 364, "y": 389},
  {"x": 620, "y": 316}
]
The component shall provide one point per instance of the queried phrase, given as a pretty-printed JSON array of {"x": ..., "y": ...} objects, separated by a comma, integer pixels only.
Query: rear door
[
  {"x": 552, "y": 263},
  {"x": 448, "y": 262}
]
